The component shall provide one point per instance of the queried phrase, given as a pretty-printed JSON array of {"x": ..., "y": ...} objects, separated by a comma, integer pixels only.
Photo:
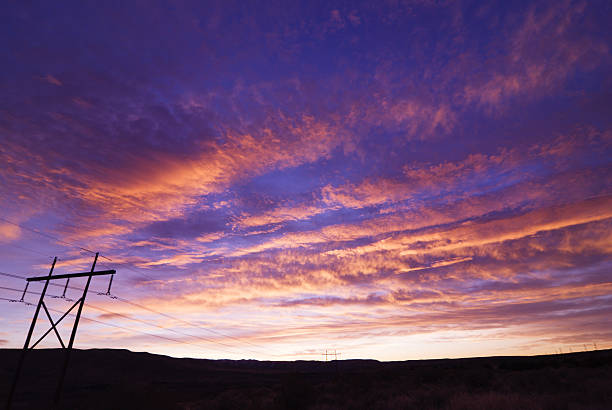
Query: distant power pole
[
  {"x": 80, "y": 302},
  {"x": 330, "y": 353}
]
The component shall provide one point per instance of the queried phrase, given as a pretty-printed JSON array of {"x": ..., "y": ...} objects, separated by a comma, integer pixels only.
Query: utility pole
[
  {"x": 330, "y": 353},
  {"x": 80, "y": 302},
  {"x": 335, "y": 354}
]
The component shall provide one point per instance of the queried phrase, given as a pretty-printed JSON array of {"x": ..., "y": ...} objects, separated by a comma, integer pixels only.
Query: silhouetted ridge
[{"x": 107, "y": 379}]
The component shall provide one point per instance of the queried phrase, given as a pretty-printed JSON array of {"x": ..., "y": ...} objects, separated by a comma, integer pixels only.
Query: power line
[
  {"x": 124, "y": 300},
  {"x": 184, "y": 321},
  {"x": 55, "y": 238},
  {"x": 36, "y": 231},
  {"x": 151, "y": 323},
  {"x": 120, "y": 327},
  {"x": 121, "y": 315},
  {"x": 121, "y": 264},
  {"x": 28, "y": 250},
  {"x": 126, "y": 266},
  {"x": 135, "y": 331},
  {"x": 160, "y": 327},
  {"x": 170, "y": 316},
  {"x": 39, "y": 232},
  {"x": 137, "y": 320},
  {"x": 29, "y": 291},
  {"x": 192, "y": 324},
  {"x": 10, "y": 275}
]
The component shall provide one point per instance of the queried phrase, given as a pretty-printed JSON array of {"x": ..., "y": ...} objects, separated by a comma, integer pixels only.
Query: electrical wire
[
  {"x": 55, "y": 238},
  {"x": 126, "y": 266},
  {"x": 50, "y": 284},
  {"x": 124, "y": 300},
  {"x": 151, "y": 310},
  {"x": 49, "y": 236},
  {"x": 135, "y": 320},
  {"x": 122, "y": 327},
  {"x": 195, "y": 325},
  {"x": 158, "y": 326},
  {"x": 27, "y": 249},
  {"x": 10, "y": 275}
]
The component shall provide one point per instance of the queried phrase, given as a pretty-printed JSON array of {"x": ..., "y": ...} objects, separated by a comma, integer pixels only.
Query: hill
[{"x": 120, "y": 379}]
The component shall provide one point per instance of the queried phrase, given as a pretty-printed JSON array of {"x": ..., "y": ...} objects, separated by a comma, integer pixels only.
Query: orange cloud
[
  {"x": 278, "y": 215},
  {"x": 9, "y": 232}
]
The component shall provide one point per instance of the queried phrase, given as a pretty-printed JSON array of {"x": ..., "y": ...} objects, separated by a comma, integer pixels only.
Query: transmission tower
[{"x": 41, "y": 303}]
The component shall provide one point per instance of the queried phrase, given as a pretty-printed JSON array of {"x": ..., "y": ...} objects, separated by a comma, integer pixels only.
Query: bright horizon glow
[{"x": 409, "y": 181}]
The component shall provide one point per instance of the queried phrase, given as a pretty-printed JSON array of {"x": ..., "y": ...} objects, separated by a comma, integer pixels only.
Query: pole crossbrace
[
  {"x": 80, "y": 303},
  {"x": 56, "y": 323},
  {"x": 53, "y": 325}
]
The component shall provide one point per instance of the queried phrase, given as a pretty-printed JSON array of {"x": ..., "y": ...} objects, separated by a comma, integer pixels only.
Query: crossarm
[{"x": 71, "y": 275}]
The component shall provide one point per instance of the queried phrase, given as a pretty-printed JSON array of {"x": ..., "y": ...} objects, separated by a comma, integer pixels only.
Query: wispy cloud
[{"x": 405, "y": 173}]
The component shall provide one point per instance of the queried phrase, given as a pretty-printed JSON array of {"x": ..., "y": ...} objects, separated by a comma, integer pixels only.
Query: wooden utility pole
[{"x": 41, "y": 303}]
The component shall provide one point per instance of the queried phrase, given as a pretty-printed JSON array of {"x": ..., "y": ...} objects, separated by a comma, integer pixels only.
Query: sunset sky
[{"x": 394, "y": 180}]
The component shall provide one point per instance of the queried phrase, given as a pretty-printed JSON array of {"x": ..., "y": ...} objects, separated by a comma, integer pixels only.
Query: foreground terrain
[{"x": 120, "y": 379}]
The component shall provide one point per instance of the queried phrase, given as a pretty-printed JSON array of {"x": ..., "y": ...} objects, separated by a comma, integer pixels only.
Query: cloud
[
  {"x": 542, "y": 53},
  {"x": 387, "y": 256},
  {"x": 309, "y": 179},
  {"x": 160, "y": 186},
  {"x": 111, "y": 316},
  {"x": 279, "y": 215},
  {"x": 9, "y": 232}
]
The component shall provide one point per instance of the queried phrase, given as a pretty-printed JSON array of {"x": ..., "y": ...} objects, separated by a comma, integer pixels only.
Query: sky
[{"x": 392, "y": 179}]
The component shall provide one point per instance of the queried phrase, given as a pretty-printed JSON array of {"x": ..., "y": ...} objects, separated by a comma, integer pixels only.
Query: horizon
[
  {"x": 396, "y": 181},
  {"x": 321, "y": 360}
]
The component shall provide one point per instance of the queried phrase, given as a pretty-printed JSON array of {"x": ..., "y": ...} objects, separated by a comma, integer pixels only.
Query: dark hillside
[{"x": 120, "y": 379}]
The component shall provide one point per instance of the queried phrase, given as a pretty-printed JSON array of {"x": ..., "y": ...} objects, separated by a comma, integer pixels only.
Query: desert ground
[{"x": 121, "y": 379}]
